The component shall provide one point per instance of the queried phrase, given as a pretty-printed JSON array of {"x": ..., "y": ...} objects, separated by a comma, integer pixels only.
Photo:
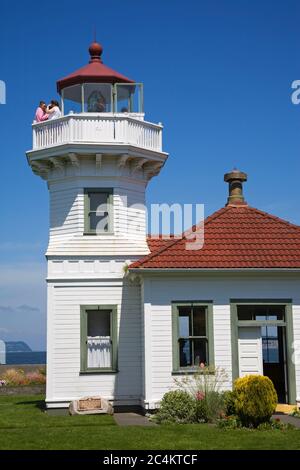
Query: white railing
[{"x": 95, "y": 128}]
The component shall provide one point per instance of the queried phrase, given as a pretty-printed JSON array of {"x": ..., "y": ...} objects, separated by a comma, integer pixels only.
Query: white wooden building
[{"x": 127, "y": 313}]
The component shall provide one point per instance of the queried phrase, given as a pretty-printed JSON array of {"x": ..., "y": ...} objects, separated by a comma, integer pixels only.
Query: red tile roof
[{"x": 234, "y": 237}]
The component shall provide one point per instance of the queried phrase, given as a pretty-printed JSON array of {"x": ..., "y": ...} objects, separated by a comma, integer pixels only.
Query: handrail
[{"x": 97, "y": 115}]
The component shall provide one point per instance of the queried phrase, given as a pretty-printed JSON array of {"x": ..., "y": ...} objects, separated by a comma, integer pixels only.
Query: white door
[{"x": 250, "y": 351}]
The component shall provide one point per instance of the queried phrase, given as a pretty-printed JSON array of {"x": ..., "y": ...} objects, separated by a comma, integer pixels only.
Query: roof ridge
[{"x": 274, "y": 217}]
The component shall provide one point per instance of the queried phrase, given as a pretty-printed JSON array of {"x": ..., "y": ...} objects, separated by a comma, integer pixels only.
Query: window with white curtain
[{"x": 98, "y": 339}]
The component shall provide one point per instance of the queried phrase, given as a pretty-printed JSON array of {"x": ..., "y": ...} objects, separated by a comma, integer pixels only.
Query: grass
[{"x": 24, "y": 425}]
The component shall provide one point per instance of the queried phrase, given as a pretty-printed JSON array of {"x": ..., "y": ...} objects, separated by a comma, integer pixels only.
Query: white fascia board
[
  {"x": 93, "y": 148},
  {"x": 212, "y": 270}
]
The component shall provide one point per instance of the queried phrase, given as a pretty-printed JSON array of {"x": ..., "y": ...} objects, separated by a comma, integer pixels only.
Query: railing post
[
  {"x": 160, "y": 137},
  {"x": 34, "y": 137},
  {"x": 71, "y": 129}
]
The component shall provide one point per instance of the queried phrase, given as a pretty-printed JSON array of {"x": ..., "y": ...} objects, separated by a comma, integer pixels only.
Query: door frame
[{"x": 289, "y": 337}]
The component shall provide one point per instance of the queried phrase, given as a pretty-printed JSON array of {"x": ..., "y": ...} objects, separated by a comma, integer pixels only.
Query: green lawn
[{"x": 23, "y": 425}]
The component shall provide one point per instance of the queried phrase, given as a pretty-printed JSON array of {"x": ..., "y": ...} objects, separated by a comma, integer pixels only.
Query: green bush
[
  {"x": 209, "y": 406},
  {"x": 255, "y": 400},
  {"x": 177, "y": 407},
  {"x": 229, "y": 407},
  {"x": 295, "y": 413},
  {"x": 229, "y": 422},
  {"x": 275, "y": 424},
  {"x": 201, "y": 410}
]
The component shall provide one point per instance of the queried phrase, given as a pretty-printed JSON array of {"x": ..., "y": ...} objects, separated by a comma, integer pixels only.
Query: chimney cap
[
  {"x": 236, "y": 178},
  {"x": 235, "y": 174}
]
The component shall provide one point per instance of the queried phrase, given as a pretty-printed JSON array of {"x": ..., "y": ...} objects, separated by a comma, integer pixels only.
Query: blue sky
[{"x": 217, "y": 73}]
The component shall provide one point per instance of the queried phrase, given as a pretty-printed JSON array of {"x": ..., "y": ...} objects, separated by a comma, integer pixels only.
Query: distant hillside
[{"x": 16, "y": 346}]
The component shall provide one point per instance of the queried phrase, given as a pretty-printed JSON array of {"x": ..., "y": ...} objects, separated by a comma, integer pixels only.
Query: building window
[
  {"x": 98, "y": 338},
  {"x": 192, "y": 335},
  {"x": 97, "y": 211}
]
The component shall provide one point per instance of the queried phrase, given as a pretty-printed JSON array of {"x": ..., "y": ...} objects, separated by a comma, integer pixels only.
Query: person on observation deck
[
  {"x": 53, "y": 110},
  {"x": 40, "y": 114}
]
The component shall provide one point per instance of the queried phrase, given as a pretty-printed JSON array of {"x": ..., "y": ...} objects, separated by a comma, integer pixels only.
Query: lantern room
[{"x": 96, "y": 88}]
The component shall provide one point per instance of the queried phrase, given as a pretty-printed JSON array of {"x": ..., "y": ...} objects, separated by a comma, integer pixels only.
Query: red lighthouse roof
[{"x": 94, "y": 72}]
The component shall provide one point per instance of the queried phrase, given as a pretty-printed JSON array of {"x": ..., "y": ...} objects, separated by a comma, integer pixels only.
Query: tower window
[
  {"x": 97, "y": 211},
  {"x": 98, "y": 338}
]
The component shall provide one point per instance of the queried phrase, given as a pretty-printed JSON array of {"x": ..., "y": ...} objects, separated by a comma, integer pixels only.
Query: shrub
[
  {"x": 229, "y": 422},
  {"x": 229, "y": 407},
  {"x": 178, "y": 407},
  {"x": 42, "y": 370},
  {"x": 201, "y": 408},
  {"x": 210, "y": 407},
  {"x": 255, "y": 400},
  {"x": 17, "y": 377},
  {"x": 205, "y": 385},
  {"x": 275, "y": 424},
  {"x": 295, "y": 413},
  {"x": 36, "y": 378}
]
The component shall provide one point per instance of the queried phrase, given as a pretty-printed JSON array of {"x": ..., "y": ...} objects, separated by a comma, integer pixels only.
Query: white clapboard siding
[
  {"x": 64, "y": 342},
  {"x": 67, "y": 223},
  {"x": 296, "y": 325},
  {"x": 158, "y": 294}
]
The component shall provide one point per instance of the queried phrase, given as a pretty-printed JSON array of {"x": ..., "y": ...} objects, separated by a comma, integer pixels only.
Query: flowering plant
[
  {"x": 17, "y": 377},
  {"x": 200, "y": 395},
  {"x": 2, "y": 383},
  {"x": 205, "y": 385}
]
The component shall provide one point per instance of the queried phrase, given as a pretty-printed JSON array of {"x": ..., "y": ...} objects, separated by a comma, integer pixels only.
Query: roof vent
[{"x": 235, "y": 179}]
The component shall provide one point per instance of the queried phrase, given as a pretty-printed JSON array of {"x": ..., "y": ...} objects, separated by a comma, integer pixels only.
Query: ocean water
[{"x": 30, "y": 357}]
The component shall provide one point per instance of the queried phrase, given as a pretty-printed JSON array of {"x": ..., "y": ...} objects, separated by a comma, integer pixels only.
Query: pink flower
[
  {"x": 202, "y": 365},
  {"x": 200, "y": 396}
]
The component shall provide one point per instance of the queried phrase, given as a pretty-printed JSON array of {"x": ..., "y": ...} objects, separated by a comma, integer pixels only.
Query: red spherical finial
[{"x": 95, "y": 51}]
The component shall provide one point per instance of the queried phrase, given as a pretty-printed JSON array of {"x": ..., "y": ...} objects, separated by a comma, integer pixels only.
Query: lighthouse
[{"x": 97, "y": 160}]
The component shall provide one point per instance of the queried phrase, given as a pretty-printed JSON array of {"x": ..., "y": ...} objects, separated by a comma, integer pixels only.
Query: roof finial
[
  {"x": 95, "y": 51},
  {"x": 236, "y": 179}
]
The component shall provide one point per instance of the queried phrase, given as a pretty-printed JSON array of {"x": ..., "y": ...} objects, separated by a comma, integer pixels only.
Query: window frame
[
  {"x": 208, "y": 304},
  {"x": 140, "y": 87},
  {"x": 87, "y": 227},
  {"x": 84, "y": 309}
]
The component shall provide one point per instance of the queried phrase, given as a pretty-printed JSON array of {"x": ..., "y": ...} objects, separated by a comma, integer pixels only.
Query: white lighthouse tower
[{"x": 97, "y": 160}]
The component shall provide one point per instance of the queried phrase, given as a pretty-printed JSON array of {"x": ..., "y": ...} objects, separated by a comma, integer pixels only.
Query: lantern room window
[
  {"x": 97, "y": 97},
  {"x": 129, "y": 98},
  {"x": 71, "y": 99},
  {"x": 103, "y": 98}
]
